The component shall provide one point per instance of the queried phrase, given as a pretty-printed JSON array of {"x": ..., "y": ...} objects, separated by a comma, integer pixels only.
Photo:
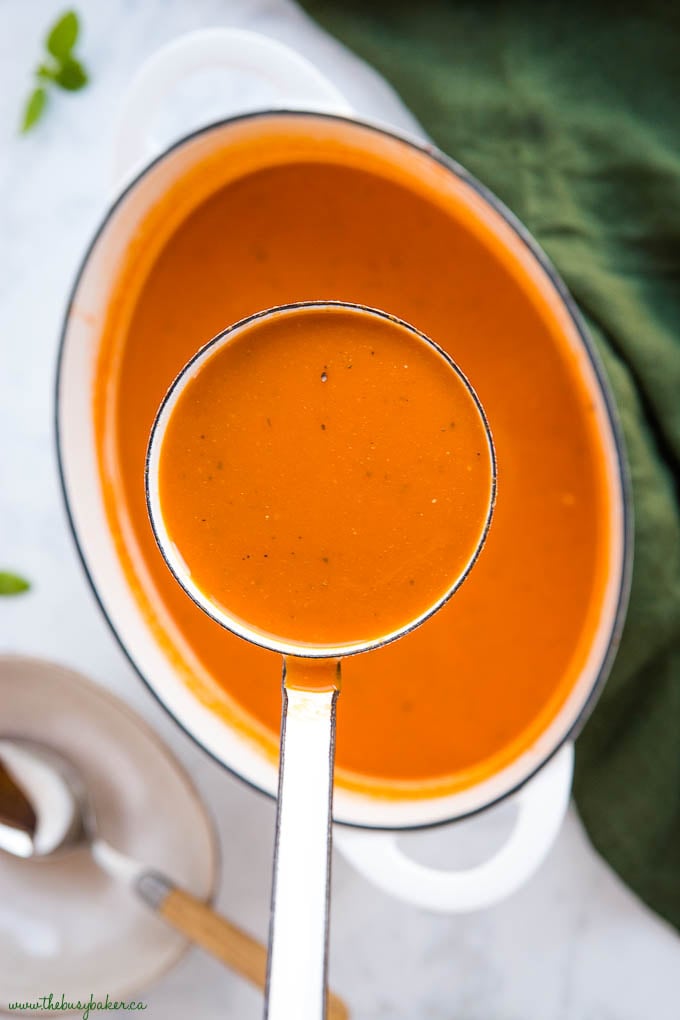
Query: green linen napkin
[{"x": 570, "y": 112}]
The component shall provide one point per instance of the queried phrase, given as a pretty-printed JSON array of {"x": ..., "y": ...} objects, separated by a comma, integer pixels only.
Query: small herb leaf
[
  {"x": 57, "y": 67},
  {"x": 63, "y": 36},
  {"x": 45, "y": 72},
  {"x": 33, "y": 111},
  {"x": 12, "y": 584},
  {"x": 71, "y": 76}
]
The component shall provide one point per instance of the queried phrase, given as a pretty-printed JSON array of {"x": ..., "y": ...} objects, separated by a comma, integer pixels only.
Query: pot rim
[{"x": 588, "y": 346}]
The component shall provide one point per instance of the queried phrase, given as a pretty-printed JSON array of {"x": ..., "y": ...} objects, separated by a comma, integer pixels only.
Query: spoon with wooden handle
[
  {"x": 45, "y": 810},
  {"x": 215, "y": 934}
]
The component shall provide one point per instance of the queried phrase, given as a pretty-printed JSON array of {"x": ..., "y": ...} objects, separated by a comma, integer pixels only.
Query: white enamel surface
[
  {"x": 66, "y": 925},
  {"x": 573, "y": 942}
]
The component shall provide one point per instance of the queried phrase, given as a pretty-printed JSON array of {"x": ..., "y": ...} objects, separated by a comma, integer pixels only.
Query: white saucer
[{"x": 65, "y": 926}]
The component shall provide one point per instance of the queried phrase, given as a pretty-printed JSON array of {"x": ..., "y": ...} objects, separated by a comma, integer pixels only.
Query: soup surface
[
  {"x": 324, "y": 474},
  {"x": 297, "y": 208}
]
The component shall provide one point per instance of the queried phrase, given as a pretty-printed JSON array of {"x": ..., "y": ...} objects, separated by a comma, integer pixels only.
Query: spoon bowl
[{"x": 62, "y": 813}]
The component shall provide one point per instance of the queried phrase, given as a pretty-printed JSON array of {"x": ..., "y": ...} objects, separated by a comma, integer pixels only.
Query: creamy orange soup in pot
[{"x": 295, "y": 208}]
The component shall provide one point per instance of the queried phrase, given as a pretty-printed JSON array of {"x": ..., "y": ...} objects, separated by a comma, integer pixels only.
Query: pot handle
[
  {"x": 542, "y": 804},
  {"x": 298, "y": 84}
]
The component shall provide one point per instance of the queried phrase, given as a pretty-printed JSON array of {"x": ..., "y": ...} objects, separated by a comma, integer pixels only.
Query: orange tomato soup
[
  {"x": 325, "y": 475},
  {"x": 295, "y": 208}
]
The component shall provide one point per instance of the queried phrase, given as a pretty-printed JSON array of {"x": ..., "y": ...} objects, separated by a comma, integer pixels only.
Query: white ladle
[{"x": 298, "y": 946}]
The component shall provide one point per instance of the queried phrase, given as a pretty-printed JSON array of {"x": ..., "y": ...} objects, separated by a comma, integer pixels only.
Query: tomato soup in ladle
[{"x": 320, "y": 480}]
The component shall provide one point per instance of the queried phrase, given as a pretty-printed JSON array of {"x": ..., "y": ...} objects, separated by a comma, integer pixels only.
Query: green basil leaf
[
  {"x": 12, "y": 584},
  {"x": 46, "y": 72},
  {"x": 63, "y": 35},
  {"x": 71, "y": 76},
  {"x": 33, "y": 111}
]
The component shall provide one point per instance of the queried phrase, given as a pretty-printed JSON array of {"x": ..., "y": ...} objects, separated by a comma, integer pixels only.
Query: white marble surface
[{"x": 573, "y": 944}]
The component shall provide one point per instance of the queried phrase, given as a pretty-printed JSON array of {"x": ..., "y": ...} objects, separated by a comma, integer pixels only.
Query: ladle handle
[
  {"x": 298, "y": 937},
  {"x": 214, "y": 933}
]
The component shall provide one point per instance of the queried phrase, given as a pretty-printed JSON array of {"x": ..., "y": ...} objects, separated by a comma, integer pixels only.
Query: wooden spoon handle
[{"x": 218, "y": 936}]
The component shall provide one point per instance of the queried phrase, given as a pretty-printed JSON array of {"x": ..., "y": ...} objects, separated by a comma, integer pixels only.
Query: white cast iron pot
[{"x": 540, "y": 780}]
